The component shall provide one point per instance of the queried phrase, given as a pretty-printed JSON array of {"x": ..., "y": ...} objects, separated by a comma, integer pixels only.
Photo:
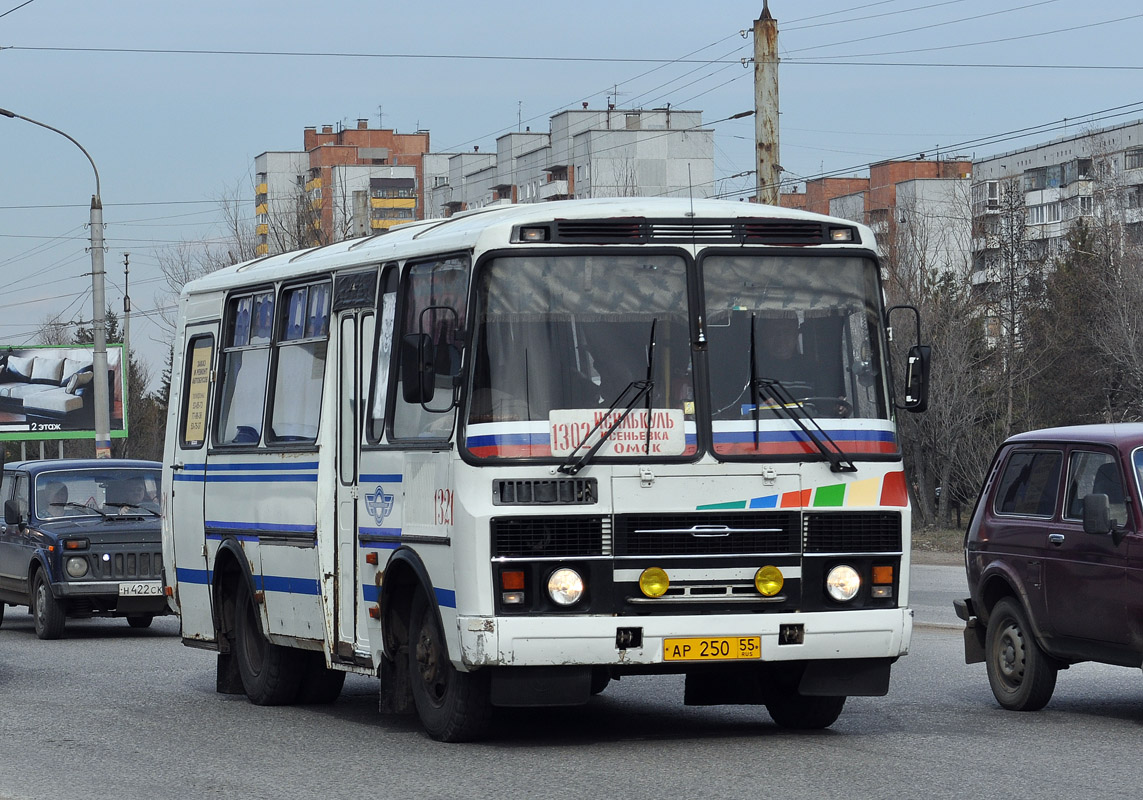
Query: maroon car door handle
[{"x": 1056, "y": 538}]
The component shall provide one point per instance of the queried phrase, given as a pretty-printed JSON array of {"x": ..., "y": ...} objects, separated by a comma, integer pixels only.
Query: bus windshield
[
  {"x": 811, "y": 325},
  {"x": 559, "y": 340},
  {"x": 572, "y": 350}
]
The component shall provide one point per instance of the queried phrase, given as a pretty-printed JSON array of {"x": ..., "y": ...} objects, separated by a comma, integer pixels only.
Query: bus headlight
[
  {"x": 768, "y": 580},
  {"x": 76, "y": 567},
  {"x": 842, "y": 583},
  {"x": 565, "y": 587}
]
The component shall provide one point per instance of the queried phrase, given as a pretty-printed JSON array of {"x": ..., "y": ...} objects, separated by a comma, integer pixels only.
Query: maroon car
[{"x": 1054, "y": 556}]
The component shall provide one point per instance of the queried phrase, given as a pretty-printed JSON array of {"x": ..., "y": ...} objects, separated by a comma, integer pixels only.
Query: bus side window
[
  {"x": 245, "y": 363},
  {"x": 383, "y": 344},
  {"x": 433, "y": 305},
  {"x": 196, "y": 392}
]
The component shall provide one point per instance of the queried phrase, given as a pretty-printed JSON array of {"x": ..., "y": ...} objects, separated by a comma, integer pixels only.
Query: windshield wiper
[
  {"x": 837, "y": 458},
  {"x": 642, "y": 389},
  {"x": 775, "y": 389},
  {"x": 82, "y": 506},
  {"x": 150, "y": 511}
]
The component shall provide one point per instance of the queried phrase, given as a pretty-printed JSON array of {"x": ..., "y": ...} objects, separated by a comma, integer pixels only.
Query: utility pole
[
  {"x": 768, "y": 173},
  {"x": 126, "y": 358}
]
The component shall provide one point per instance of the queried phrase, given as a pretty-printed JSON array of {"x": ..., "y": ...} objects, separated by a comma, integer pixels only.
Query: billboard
[{"x": 48, "y": 392}]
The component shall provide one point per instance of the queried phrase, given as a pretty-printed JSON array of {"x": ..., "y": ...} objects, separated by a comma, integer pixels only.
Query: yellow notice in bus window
[{"x": 198, "y": 389}]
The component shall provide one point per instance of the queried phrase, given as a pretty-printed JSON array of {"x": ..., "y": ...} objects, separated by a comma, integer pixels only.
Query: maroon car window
[
  {"x": 1029, "y": 484},
  {"x": 1094, "y": 473}
]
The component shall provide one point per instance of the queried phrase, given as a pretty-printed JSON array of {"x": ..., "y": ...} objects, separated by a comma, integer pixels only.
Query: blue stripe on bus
[
  {"x": 287, "y": 585},
  {"x": 792, "y": 435},
  {"x": 257, "y": 526},
  {"x": 379, "y": 532},
  {"x": 445, "y": 597},
  {"x": 380, "y": 478},
  {"x": 248, "y": 478},
  {"x": 490, "y": 439},
  {"x": 201, "y": 576},
  {"x": 279, "y": 466}
]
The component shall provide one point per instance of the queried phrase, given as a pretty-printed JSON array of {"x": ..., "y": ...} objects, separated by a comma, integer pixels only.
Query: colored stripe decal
[{"x": 257, "y": 526}]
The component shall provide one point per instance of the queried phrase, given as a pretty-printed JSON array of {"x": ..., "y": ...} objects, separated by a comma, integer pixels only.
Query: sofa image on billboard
[{"x": 54, "y": 385}]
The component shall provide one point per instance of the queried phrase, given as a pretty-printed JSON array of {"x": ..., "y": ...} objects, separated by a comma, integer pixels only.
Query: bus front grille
[
  {"x": 547, "y": 537},
  {"x": 853, "y": 532},
  {"x": 706, "y": 533}
]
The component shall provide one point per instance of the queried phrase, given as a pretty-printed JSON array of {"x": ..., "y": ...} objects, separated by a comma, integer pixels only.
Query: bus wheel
[
  {"x": 47, "y": 612},
  {"x": 140, "y": 620},
  {"x": 453, "y": 706},
  {"x": 804, "y": 712},
  {"x": 271, "y": 674}
]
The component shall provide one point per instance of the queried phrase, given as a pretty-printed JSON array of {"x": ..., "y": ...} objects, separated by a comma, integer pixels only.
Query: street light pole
[{"x": 99, "y": 322}]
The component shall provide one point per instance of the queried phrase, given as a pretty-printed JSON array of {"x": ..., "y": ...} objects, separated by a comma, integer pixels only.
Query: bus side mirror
[
  {"x": 418, "y": 370},
  {"x": 917, "y": 378},
  {"x": 917, "y": 365}
]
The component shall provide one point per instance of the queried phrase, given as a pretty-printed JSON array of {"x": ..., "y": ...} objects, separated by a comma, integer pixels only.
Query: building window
[
  {"x": 1086, "y": 206},
  {"x": 1133, "y": 159}
]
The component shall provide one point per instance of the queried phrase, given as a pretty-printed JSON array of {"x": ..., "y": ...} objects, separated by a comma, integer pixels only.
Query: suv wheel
[
  {"x": 47, "y": 612},
  {"x": 1022, "y": 676}
]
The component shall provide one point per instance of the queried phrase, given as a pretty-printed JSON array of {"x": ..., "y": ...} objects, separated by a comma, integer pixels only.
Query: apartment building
[
  {"x": 344, "y": 182},
  {"x": 586, "y": 153},
  {"x": 1039, "y": 192}
]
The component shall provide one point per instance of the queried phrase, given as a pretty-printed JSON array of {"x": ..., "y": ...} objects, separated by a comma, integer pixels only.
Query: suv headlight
[{"x": 76, "y": 566}]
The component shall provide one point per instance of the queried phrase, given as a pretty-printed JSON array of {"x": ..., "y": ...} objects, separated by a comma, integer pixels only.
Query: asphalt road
[{"x": 110, "y": 712}]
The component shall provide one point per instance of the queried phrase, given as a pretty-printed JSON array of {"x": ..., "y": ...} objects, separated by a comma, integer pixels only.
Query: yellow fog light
[
  {"x": 768, "y": 580},
  {"x": 654, "y": 582}
]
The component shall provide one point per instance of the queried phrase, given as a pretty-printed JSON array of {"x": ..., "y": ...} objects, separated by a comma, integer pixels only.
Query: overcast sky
[{"x": 174, "y": 100}]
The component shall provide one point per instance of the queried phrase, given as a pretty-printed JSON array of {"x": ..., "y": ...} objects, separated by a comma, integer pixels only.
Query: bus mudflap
[{"x": 538, "y": 687}]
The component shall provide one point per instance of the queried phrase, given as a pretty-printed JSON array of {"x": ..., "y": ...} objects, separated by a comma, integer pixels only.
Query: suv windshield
[
  {"x": 96, "y": 492},
  {"x": 811, "y": 325},
  {"x": 560, "y": 340}
]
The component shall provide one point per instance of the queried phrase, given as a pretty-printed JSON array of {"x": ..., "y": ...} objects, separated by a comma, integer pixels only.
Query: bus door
[
  {"x": 355, "y": 328},
  {"x": 184, "y": 510}
]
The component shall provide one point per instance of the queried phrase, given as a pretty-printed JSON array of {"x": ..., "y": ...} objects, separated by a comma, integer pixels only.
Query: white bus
[{"x": 503, "y": 458}]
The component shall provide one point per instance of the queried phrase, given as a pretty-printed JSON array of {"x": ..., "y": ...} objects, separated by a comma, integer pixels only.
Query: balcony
[{"x": 553, "y": 190}]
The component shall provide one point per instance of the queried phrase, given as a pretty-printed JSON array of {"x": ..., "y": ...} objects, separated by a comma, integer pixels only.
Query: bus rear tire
[
  {"x": 140, "y": 620},
  {"x": 271, "y": 674},
  {"x": 804, "y": 712},
  {"x": 453, "y": 706}
]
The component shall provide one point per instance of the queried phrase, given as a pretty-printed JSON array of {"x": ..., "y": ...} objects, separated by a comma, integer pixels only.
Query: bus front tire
[
  {"x": 453, "y": 706},
  {"x": 271, "y": 674},
  {"x": 804, "y": 712}
]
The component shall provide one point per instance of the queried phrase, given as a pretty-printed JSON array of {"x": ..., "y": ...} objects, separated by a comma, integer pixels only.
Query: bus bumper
[{"x": 622, "y": 641}]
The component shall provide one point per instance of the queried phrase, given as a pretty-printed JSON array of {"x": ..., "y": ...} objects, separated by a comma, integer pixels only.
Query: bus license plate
[
  {"x": 712, "y": 648},
  {"x": 141, "y": 589}
]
